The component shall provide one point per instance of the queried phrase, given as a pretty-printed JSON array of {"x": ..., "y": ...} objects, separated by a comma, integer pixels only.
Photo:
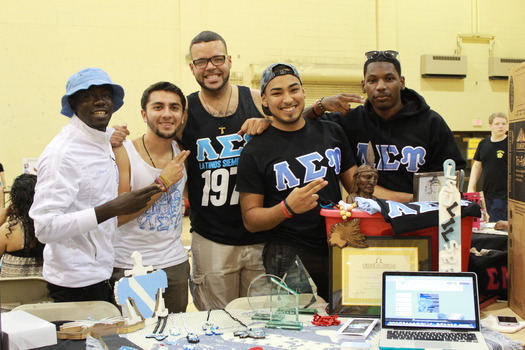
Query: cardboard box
[
  {"x": 25, "y": 331},
  {"x": 517, "y": 189}
]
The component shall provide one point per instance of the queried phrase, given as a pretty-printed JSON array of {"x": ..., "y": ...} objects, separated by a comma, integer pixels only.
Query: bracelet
[
  {"x": 318, "y": 107},
  {"x": 285, "y": 212},
  {"x": 159, "y": 182},
  {"x": 165, "y": 181},
  {"x": 288, "y": 208}
]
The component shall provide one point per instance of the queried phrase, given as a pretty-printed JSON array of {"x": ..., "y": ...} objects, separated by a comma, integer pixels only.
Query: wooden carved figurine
[{"x": 365, "y": 181}]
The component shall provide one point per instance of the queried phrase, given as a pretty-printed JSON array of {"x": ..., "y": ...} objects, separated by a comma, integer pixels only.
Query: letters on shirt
[{"x": 411, "y": 157}]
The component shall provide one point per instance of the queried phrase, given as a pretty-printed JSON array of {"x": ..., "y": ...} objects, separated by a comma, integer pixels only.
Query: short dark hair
[
  {"x": 207, "y": 36},
  {"x": 381, "y": 58},
  {"x": 162, "y": 86}
]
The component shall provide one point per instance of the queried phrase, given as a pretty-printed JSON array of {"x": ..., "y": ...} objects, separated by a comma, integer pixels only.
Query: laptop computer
[{"x": 430, "y": 310}]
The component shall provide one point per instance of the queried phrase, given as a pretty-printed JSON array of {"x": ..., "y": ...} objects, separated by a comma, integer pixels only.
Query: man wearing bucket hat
[
  {"x": 285, "y": 171},
  {"x": 76, "y": 203}
]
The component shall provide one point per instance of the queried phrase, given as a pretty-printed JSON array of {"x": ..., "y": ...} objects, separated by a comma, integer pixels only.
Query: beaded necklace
[{"x": 147, "y": 152}]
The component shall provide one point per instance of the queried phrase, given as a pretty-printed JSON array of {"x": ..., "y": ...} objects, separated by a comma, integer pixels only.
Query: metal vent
[
  {"x": 447, "y": 58},
  {"x": 440, "y": 66},
  {"x": 511, "y": 60},
  {"x": 499, "y": 67}
]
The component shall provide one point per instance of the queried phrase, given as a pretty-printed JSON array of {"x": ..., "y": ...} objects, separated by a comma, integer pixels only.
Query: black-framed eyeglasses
[
  {"x": 390, "y": 54},
  {"x": 215, "y": 60}
]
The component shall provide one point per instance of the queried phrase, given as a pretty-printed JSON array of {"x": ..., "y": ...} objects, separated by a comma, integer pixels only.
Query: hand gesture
[
  {"x": 119, "y": 135},
  {"x": 303, "y": 199},
  {"x": 126, "y": 203},
  {"x": 173, "y": 172},
  {"x": 254, "y": 126},
  {"x": 341, "y": 102}
]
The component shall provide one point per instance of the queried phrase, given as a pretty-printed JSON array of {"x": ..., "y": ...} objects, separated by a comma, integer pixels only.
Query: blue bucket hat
[
  {"x": 83, "y": 80},
  {"x": 268, "y": 74}
]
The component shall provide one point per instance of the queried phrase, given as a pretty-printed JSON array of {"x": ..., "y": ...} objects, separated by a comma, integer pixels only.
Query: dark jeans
[
  {"x": 97, "y": 291},
  {"x": 497, "y": 209},
  {"x": 279, "y": 257}
]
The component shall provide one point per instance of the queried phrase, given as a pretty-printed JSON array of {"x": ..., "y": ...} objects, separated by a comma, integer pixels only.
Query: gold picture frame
[{"x": 355, "y": 273}]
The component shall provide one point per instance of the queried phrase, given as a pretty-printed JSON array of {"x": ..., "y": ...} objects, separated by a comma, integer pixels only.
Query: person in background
[
  {"x": 395, "y": 130},
  {"x": 155, "y": 231},
  {"x": 21, "y": 252},
  {"x": 491, "y": 159},
  {"x": 76, "y": 202}
]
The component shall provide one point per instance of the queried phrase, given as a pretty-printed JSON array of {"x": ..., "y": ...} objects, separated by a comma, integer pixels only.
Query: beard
[
  {"x": 226, "y": 79},
  {"x": 156, "y": 131}
]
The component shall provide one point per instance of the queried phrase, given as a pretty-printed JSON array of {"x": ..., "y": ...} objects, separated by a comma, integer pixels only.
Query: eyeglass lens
[{"x": 215, "y": 60}]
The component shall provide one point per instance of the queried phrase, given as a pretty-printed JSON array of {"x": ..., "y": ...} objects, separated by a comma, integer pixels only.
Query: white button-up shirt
[{"x": 76, "y": 173}]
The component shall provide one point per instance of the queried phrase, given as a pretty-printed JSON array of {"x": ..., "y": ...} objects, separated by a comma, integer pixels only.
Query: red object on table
[
  {"x": 375, "y": 225},
  {"x": 326, "y": 321}
]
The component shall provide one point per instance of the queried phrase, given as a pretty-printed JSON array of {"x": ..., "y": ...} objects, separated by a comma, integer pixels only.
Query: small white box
[{"x": 25, "y": 331}]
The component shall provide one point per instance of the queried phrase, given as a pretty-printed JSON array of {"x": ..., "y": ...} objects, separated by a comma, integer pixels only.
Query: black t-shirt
[
  {"x": 493, "y": 157},
  {"x": 276, "y": 162},
  {"x": 212, "y": 170}
]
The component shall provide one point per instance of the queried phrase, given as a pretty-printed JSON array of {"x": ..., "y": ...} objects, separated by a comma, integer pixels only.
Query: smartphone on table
[{"x": 507, "y": 321}]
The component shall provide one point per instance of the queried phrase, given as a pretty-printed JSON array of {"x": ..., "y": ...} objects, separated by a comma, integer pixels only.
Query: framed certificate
[{"x": 355, "y": 273}]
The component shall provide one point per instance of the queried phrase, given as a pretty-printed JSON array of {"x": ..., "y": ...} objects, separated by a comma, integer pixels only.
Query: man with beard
[
  {"x": 226, "y": 257},
  {"x": 155, "y": 231}
]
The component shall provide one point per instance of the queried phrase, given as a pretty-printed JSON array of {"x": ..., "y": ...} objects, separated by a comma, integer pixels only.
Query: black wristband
[{"x": 288, "y": 208}]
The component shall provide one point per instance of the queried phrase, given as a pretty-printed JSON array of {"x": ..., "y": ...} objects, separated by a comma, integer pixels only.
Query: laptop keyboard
[{"x": 436, "y": 336}]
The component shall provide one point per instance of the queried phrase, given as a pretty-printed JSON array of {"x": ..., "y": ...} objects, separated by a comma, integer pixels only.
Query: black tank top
[{"x": 215, "y": 148}]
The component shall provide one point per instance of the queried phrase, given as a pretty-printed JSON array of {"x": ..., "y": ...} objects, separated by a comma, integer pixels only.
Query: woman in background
[{"x": 21, "y": 252}]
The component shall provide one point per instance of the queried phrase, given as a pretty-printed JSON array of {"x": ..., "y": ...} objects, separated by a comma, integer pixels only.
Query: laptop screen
[{"x": 437, "y": 300}]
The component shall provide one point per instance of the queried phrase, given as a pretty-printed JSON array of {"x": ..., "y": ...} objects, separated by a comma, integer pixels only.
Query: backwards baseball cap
[
  {"x": 270, "y": 73},
  {"x": 83, "y": 80}
]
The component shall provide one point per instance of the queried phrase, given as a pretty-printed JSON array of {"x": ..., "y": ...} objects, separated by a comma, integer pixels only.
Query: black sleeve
[
  {"x": 444, "y": 146},
  {"x": 249, "y": 180},
  {"x": 348, "y": 158},
  {"x": 477, "y": 155}
]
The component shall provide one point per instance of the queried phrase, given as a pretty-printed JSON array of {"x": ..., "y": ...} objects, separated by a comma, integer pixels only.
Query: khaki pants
[{"x": 222, "y": 273}]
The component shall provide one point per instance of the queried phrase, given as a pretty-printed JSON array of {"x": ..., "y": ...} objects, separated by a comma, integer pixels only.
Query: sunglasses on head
[{"x": 390, "y": 54}]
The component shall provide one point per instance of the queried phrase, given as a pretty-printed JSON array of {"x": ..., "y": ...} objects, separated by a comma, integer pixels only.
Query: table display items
[
  {"x": 357, "y": 328},
  {"x": 140, "y": 296},
  {"x": 274, "y": 301},
  {"x": 449, "y": 221}
]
